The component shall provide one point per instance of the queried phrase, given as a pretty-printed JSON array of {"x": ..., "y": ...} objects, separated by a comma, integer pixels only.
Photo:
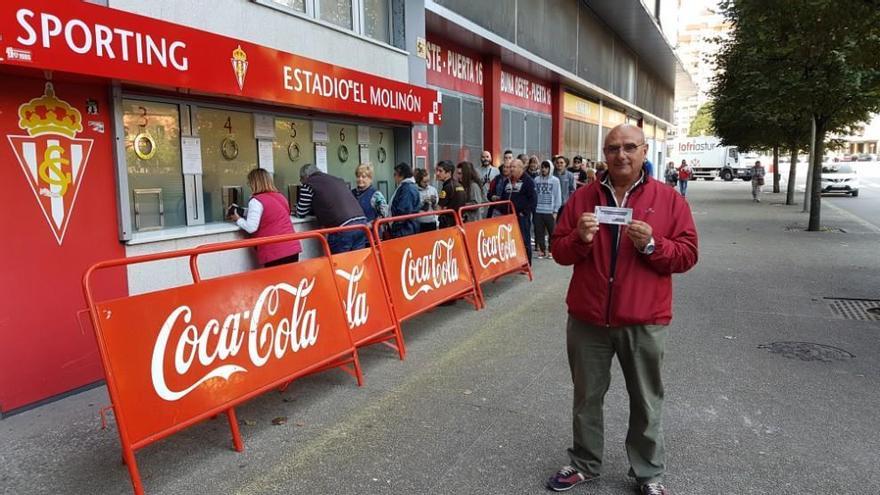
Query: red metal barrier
[
  {"x": 364, "y": 295},
  {"x": 495, "y": 245},
  {"x": 176, "y": 357},
  {"x": 426, "y": 269}
]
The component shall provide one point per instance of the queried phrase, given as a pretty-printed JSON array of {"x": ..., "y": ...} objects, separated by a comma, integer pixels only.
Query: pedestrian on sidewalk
[
  {"x": 549, "y": 200},
  {"x": 620, "y": 302},
  {"x": 579, "y": 170},
  {"x": 757, "y": 181},
  {"x": 452, "y": 195},
  {"x": 268, "y": 214},
  {"x": 684, "y": 176},
  {"x": 671, "y": 174},
  {"x": 487, "y": 172},
  {"x": 467, "y": 176},
  {"x": 405, "y": 201}
]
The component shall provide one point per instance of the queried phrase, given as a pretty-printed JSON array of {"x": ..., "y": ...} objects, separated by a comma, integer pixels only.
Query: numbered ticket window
[
  {"x": 229, "y": 152},
  {"x": 152, "y": 158},
  {"x": 342, "y": 151},
  {"x": 382, "y": 159},
  {"x": 292, "y": 149}
]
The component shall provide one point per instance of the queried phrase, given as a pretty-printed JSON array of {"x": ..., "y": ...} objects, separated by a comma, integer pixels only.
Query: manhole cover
[
  {"x": 808, "y": 351},
  {"x": 855, "y": 309}
]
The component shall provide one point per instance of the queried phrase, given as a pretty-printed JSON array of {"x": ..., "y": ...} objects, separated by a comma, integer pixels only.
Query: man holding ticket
[{"x": 625, "y": 234}]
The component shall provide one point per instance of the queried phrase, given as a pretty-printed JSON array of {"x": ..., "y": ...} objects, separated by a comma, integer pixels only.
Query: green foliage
[
  {"x": 702, "y": 125},
  {"x": 791, "y": 62}
]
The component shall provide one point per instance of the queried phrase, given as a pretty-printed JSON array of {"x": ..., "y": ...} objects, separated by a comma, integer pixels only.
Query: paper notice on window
[
  {"x": 264, "y": 126},
  {"x": 364, "y": 153},
  {"x": 319, "y": 132},
  {"x": 191, "y": 155},
  {"x": 363, "y": 135},
  {"x": 614, "y": 216},
  {"x": 266, "y": 155},
  {"x": 321, "y": 157}
]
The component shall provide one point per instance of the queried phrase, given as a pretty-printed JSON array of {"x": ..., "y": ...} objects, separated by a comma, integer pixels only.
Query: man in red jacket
[{"x": 620, "y": 302}]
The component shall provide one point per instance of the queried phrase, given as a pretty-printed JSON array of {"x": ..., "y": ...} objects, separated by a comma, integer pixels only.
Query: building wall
[
  {"x": 569, "y": 35},
  {"x": 280, "y": 30}
]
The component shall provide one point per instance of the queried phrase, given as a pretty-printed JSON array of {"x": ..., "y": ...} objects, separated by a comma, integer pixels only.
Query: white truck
[{"x": 709, "y": 158}]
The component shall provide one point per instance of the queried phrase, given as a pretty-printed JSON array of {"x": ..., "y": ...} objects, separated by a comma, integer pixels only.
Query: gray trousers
[{"x": 639, "y": 350}]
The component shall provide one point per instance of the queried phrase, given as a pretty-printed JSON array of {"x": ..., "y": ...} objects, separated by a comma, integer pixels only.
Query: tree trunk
[
  {"x": 816, "y": 183},
  {"x": 776, "y": 168},
  {"x": 792, "y": 176}
]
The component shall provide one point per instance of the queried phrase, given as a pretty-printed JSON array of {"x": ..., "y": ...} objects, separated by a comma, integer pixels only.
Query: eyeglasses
[{"x": 628, "y": 148}]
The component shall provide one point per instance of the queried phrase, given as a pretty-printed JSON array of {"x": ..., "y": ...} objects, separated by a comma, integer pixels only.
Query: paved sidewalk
[{"x": 482, "y": 403}]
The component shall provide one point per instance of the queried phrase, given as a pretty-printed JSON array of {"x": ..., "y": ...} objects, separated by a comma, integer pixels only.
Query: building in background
[
  {"x": 130, "y": 126},
  {"x": 699, "y": 26}
]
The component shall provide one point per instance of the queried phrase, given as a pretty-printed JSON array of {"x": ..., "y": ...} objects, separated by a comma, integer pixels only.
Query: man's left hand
[{"x": 639, "y": 233}]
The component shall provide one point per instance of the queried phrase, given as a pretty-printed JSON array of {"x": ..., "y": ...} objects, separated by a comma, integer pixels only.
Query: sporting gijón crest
[{"x": 50, "y": 155}]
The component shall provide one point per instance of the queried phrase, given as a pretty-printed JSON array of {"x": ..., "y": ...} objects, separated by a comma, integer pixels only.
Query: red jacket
[{"x": 639, "y": 291}]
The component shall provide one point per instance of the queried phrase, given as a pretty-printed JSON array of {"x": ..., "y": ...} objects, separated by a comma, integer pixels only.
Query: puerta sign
[
  {"x": 83, "y": 38},
  {"x": 425, "y": 269},
  {"x": 495, "y": 246},
  {"x": 176, "y": 354}
]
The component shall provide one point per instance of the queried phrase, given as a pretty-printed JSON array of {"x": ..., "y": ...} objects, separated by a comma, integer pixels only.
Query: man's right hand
[{"x": 587, "y": 227}]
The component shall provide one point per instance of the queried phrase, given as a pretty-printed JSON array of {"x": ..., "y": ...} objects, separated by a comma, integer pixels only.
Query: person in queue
[
  {"x": 671, "y": 175},
  {"x": 591, "y": 176},
  {"x": 620, "y": 302},
  {"x": 328, "y": 198},
  {"x": 548, "y": 203},
  {"x": 452, "y": 195},
  {"x": 429, "y": 200},
  {"x": 372, "y": 201},
  {"x": 567, "y": 184},
  {"x": 520, "y": 190},
  {"x": 487, "y": 171},
  {"x": 579, "y": 170},
  {"x": 467, "y": 176},
  {"x": 406, "y": 201},
  {"x": 534, "y": 168},
  {"x": 496, "y": 188},
  {"x": 268, "y": 214}
]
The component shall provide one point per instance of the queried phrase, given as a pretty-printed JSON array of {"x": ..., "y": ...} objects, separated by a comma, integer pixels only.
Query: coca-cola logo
[
  {"x": 356, "y": 310},
  {"x": 429, "y": 272},
  {"x": 272, "y": 333},
  {"x": 497, "y": 248}
]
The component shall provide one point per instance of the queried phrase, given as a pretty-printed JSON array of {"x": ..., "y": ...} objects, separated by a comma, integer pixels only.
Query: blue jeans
[
  {"x": 350, "y": 240},
  {"x": 525, "y": 226},
  {"x": 683, "y": 187}
]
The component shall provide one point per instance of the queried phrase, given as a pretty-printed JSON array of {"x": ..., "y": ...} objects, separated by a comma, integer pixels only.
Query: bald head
[
  {"x": 628, "y": 130},
  {"x": 625, "y": 152}
]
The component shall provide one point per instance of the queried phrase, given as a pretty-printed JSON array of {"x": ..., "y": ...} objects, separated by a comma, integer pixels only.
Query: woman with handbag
[{"x": 757, "y": 181}]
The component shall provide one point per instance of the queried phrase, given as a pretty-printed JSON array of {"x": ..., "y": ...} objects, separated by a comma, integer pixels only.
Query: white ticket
[{"x": 614, "y": 216}]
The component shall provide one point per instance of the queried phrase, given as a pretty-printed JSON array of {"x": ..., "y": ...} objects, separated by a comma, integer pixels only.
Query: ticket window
[
  {"x": 229, "y": 152},
  {"x": 292, "y": 149},
  {"x": 342, "y": 152},
  {"x": 153, "y": 163},
  {"x": 382, "y": 158}
]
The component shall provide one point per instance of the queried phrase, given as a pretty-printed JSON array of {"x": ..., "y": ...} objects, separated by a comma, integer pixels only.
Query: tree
[
  {"x": 702, "y": 124},
  {"x": 820, "y": 59}
]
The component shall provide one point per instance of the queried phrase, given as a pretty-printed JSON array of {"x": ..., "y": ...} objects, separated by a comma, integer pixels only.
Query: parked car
[
  {"x": 839, "y": 179},
  {"x": 864, "y": 157}
]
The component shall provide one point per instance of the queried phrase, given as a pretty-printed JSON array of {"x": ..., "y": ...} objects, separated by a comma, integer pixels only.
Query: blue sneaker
[{"x": 567, "y": 478}]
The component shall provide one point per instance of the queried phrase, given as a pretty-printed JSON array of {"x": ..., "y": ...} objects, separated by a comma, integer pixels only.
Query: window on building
[
  {"x": 152, "y": 158},
  {"x": 377, "y": 19},
  {"x": 336, "y": 12},
  {"x": 381, "y": 20},
  {"x": 296, "y": 5}
]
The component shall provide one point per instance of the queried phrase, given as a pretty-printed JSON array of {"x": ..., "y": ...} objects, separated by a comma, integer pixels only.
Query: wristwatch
[{"x": 649, "y": 248}]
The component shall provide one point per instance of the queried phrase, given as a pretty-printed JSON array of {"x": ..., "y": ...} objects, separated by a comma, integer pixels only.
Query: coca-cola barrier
[
  {"x": 362, "y": 290},
  {"x": 427, "y": 269},
  {"x": 175, "y": 357},
  {"x": 495, "y": 245}
]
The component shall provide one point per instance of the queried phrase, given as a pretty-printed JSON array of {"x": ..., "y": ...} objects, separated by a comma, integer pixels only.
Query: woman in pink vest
[{"x": 268, "y": 214}]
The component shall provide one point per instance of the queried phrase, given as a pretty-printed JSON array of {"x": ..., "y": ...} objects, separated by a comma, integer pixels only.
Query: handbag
[{"x": 759, "y": 181}]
